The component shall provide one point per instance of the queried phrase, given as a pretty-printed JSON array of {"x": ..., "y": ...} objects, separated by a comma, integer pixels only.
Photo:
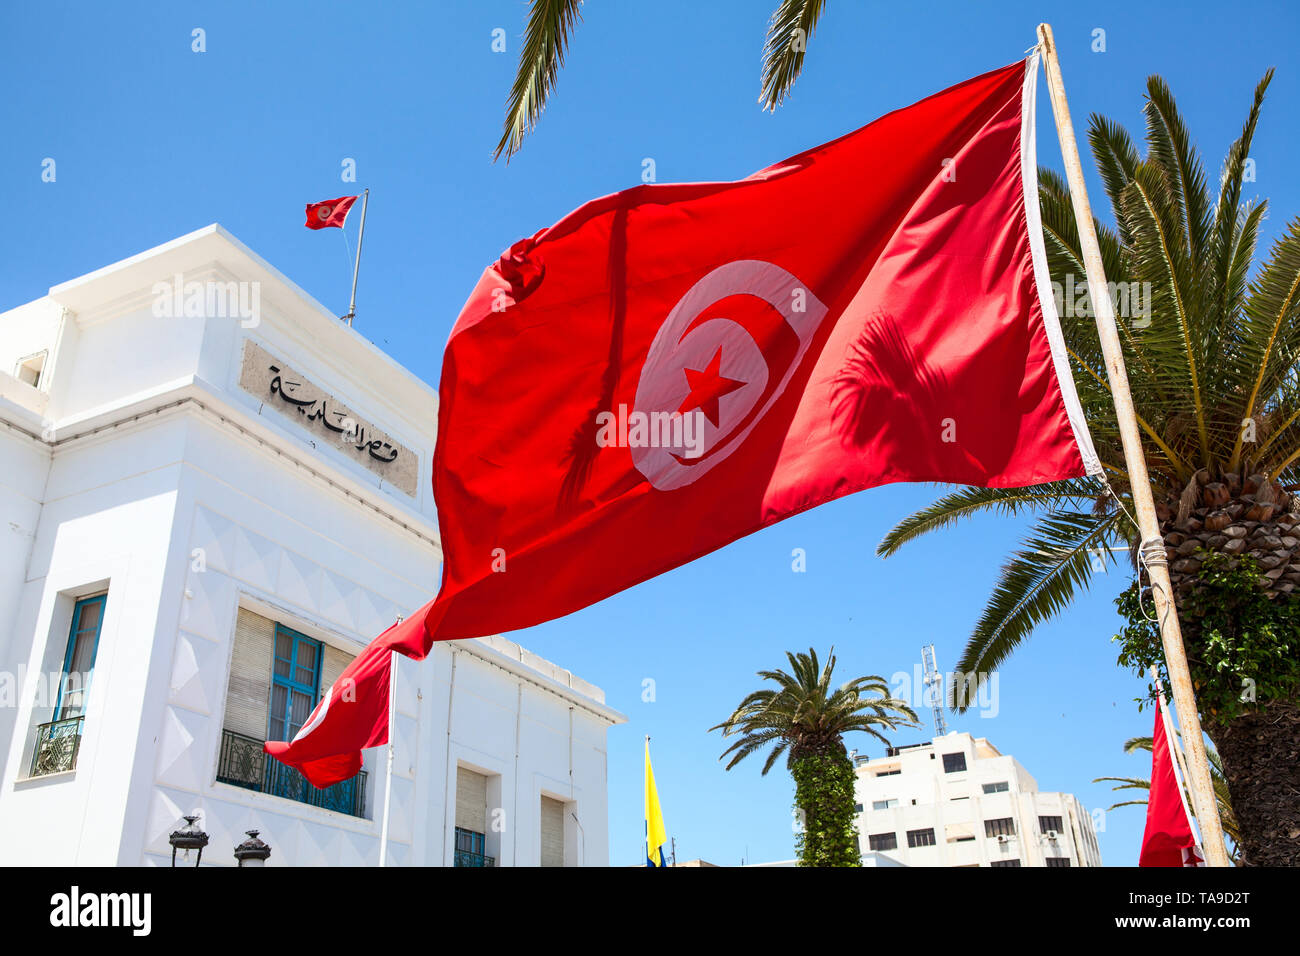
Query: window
[
  {"x": 552, "y": 832},
  {"x": 1003, "y": 826},
  {"x": 888, "y": 773},
  {"x": 883, "y": 804},
  {"x": 954, "y": 763},
  {"x": 1005, "y": 863},
  {"x": 1000, "y": 787},
  {"x": 79, "y": 661},
  {"x": 857, "y": 808},
  {"x": 276, "y": 679},
  {"x": 470, "y": 847},
  {"x": 883, "y": 841},
  {"x": 29, "y": 369},
  {"x": 917, "y": 838},
  {"x": 57, "y": 743},
  {"x": 1050, "y": 823},
  {"x": 1058, "y": 862},
  {"x": 295, "y": 682}
]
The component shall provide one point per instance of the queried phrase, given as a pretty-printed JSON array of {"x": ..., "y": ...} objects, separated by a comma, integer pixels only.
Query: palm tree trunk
[
  {"x": 1261, "y": 760},
  {"x": 824, "y": 796}
]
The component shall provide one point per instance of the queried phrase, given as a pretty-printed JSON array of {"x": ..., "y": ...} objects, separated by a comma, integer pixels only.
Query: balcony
[
  {"x": 470, "y": 858},
  {"x": 57, "y": 744},
  {"x": 243, "y": 763}
]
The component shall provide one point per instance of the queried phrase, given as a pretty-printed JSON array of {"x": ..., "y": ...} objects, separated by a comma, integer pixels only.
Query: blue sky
[{"x": 152, "y": 140}]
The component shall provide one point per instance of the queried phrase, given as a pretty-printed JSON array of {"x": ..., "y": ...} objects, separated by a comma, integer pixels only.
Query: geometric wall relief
[
  {"x": 216, "y": 536},
  {"x": 197, "y": 669},
  {"x": 204, "y": 609},
  {"x": 340, "y": 601},
  {"x": 375, "y": 614},
  {"x": 256, "y": 559},
  {"x": 181, "y": 753},
  {"x": 165, "y": 811},
  {"x": 300, "y": 581}
]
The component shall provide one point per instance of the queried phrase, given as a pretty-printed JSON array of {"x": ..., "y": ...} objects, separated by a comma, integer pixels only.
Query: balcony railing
[
  {"x": 470, "y": 858},
  {"x": 243, "y": 763},
  {"x": 56, "y": 747}
]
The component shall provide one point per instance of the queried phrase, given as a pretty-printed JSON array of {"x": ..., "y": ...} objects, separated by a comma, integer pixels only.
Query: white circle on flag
[{"x": 679, "y": 345}]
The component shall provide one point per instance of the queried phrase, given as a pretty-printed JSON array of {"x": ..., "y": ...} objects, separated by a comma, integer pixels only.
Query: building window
[
  {"x": 275, "y": 679},
  {"x": 552, "y": 832},
  {"x": 884, "y": 804},
  {"x": 1050, "y": 823},
  {"x": 954, "y": 763},
  {"x": 888, "y": 773},
  {"x": 470, "y": 849},
  {"x": 29, "y": 369},
  {"x": 883, "y": 841},
  {"x": 1003, "y": 826},
  {"x": 1057, "y": 861},
  {"x": 58, "y": 742},
  {"x": 857, "y": 808},
  {"x": 295, "y": 683},
  {"x": 917, "y": 838},
  {"x": 1005, "y": 863},
  {"x": 1000, "y": 787}
]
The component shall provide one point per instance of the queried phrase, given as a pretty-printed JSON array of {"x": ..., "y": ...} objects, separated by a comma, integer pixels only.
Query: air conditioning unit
[
  {"x": 1003, "y": 838},
  {"x": 1052, "y": 835}
]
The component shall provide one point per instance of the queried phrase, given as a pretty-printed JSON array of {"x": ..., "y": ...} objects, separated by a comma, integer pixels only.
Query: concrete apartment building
[
  {"x": 959, "y": 801},
  {"x": 213, "y": 494}
]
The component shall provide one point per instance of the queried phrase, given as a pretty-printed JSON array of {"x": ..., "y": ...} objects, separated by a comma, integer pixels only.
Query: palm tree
[
  {"x": 804, "y": 718},
  {"x": 1221, "y": 795},
  {"x": 1212, "y": 359},
  {"x": 551, "y": 24}
]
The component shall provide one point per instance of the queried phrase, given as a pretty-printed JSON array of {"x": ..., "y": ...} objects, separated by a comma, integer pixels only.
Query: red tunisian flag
[
  {"x": 330, "y": 213},
  {"x": 672, "y": 367},
  {"x": 353, "y": 714},
  {"x": 1168, "y": 839}
]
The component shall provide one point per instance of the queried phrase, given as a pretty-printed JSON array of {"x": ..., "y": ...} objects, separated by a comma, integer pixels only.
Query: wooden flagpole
[{"x": 1153, "y": 546}]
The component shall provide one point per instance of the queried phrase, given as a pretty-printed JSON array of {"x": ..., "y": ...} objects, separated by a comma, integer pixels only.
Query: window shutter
[
  {"x": 248, "y": 694},
  {"x": 471, "y": 800},
  {"x": 333, "y": 664},
  {"x": 552, "y": 832}
]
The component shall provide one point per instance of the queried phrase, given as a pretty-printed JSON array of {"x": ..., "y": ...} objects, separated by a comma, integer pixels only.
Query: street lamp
[
  {"x": 252, "y": 852},
  {"x": 188, "y": 837}
]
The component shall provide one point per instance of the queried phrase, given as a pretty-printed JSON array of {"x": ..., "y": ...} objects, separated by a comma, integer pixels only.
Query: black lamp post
[
  {"x": 252, "y": 852},
  {"x": 188, "y": 837}
]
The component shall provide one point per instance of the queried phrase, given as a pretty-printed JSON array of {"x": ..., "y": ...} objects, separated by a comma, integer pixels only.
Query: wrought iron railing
[
  {"x": 57, "y": 744},
  {"x": 243, "y": 763},
  {"x": 469, "y": 858}
]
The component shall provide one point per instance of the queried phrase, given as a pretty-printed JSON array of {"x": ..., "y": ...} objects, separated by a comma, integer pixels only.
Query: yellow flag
[{"x": 655, "y": 834}]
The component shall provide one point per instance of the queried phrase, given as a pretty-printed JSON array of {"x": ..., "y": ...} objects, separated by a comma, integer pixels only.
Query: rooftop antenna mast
[{"x": 933, "y": 684}]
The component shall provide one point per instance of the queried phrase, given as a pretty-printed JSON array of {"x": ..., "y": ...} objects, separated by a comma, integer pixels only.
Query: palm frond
[
  {"x": 968, "y": 501},
  {"x": 546, "y": 38},
  {"x": 788, "y": 32}
]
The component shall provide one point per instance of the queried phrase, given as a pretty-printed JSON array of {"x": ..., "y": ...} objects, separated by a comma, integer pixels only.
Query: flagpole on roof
[
  {"x": 388, "y": 773},
  {"x": 361, "y": 235},
  {"x": 1153, "y": 547}
]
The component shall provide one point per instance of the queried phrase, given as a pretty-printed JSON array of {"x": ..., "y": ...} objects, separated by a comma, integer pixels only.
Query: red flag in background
[
  {"x": 353, "y": 714},
  {"x": 672, "y": 367},
  {"x": 1168, "y": 839},
  {"x": 330, "y": 213}
]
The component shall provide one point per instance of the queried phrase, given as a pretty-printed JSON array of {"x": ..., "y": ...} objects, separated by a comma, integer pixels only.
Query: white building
[
  {"x": 958, "y": 801},
  {"x": 212, "y": 495}
]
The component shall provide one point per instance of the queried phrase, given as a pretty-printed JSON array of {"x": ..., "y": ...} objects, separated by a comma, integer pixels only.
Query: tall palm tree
[
  {"x": 1212, "y": 360},
  {"x": 804, "y": 718},
  {"x": 1221, "y": 795},
  {"x": 551, "y": 24}
]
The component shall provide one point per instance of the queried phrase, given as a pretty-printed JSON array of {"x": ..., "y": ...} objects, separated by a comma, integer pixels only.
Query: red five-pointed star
[{"x": 707, "y": 387}]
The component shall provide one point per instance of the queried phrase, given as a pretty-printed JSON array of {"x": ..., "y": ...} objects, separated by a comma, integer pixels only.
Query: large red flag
[
  {"x": 672, "y": 367},
  {"x": 1168, "y": 839}
]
